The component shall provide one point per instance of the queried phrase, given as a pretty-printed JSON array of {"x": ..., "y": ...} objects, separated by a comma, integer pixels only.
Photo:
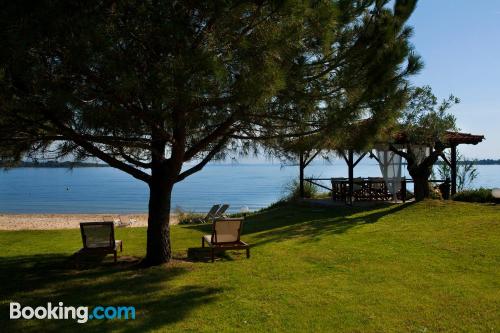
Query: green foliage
[
  {"x": 194, "y": 78},
  {"x": 425, "y": 120},
  {"x": 292, "y": 190},
  {"x": 360, "y": 78},
  {"x": 476, "y": 195},
  {"x": 421, "y": 134},
  {"x": 99, "y": 77},
  {"x": 347, "y": 269},
  {"x": 186, "y": 217},
  {"x": 101, "y": 71},
  {"x": 435, "y": 193},
  {"x": 424, "y": 123},
  {"x": 152, "y": 85}
]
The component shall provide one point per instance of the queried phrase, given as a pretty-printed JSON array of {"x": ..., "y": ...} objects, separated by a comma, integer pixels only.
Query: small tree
[
  {"x": 422, "y": 128},
  {"x": 466, "y": 171}
]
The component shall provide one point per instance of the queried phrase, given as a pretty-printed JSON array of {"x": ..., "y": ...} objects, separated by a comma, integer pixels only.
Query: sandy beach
[{"x": 67, "y": 221}]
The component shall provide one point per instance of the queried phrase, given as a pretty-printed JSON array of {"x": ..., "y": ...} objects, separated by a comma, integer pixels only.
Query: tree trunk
[
  {"x": 421, "y": 172},
  {"x": 421, "y": 187},
  {"x": 420, "y": 175},
  {"x": 158, "y": 235}
]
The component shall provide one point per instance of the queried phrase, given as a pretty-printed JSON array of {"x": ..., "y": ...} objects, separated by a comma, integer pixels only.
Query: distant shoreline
[
  {"x": 475, "y": 162},
  {"x": 70, "y": 165},
  {"x": 55, "y": 165}
]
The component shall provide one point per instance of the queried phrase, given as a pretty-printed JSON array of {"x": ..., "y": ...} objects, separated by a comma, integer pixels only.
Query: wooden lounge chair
[
  {"x": 211, "y": 215},
  {"x": 225, "y": 236},
  {"x": 118, "y": 221},
  {"x": 220, "y": 213},
  {"x": 98, "y": 238},
  {"x": 121, "y": 223}
]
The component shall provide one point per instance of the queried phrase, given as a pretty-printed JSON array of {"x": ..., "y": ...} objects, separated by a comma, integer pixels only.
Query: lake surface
[{"x": 107, "y": 190}]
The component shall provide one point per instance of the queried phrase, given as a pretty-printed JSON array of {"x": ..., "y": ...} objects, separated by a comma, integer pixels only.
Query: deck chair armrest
[{"x": 230, "y": 219}]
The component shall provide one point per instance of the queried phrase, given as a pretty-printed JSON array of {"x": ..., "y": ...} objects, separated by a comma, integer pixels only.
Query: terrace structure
[{"x": 390, "y": 186}]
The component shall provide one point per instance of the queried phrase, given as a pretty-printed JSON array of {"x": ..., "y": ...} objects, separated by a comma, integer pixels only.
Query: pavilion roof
[{"x": 451, "y": 138}]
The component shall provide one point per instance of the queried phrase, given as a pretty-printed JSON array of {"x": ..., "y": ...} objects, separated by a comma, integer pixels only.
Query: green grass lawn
[{"x": 426, "y": 267}]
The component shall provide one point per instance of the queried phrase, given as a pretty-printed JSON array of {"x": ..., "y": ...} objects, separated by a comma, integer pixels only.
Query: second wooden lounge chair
[
  {"x": 98, "y": 238},
  {"x": 118, "y": 221},
  {"x": 220, "y": 214},
  {"x": 225, "y": 236},
  {"x": 211, "y": 215}
]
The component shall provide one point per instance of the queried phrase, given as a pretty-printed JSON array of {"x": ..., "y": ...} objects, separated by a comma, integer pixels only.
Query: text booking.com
[{"x": 81, "y": 314}]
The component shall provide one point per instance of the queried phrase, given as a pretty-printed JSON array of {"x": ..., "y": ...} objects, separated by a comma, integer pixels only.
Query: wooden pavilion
[{"x": 452, "y": 141}]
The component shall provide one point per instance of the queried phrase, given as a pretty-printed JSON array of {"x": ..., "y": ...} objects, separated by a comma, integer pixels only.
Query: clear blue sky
[{"x": 459, "y": 42}]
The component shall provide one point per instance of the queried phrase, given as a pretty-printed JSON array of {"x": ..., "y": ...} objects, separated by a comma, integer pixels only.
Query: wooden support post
[
  {"x": 301, "y": 175},
  {"x": 350, "y": 165},
  {"x": 453, "y": 168},
  {"x": 359, "y": 159}
]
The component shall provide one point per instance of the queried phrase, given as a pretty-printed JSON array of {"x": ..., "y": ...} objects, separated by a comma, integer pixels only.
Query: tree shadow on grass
[
  {"x": 38, "y": 279},
  {"x": 317, "y": 227},
  {"x": 203, "y": 254},
  {"x": 286, "y": 222}
]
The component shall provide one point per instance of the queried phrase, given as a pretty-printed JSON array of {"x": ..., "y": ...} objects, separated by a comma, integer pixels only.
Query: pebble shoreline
[{"x": 67, "y": 221}]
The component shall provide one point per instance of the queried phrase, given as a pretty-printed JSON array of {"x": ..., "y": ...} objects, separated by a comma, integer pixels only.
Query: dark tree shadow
[
  {"x": 202, "y": 254},
  {"x": 36, "y": 280}
]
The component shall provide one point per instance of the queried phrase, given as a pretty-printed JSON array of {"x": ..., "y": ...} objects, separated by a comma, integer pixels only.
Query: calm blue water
[{"x": 107, "y": 190}]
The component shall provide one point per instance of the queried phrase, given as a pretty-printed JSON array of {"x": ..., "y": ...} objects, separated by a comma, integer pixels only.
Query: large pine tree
[{"x": 147, "y": 86}]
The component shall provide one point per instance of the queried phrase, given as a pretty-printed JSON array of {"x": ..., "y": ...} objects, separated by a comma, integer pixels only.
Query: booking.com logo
[{"x": 81, "y": 313}]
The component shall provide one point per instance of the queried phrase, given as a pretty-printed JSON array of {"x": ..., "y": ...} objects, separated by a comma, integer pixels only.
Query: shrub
[
  {"x": 292, "y": 190},
  {"x": 435, "y": 193},
  {"x": 186, "y": 217},
  {"x": 477, "y": 195}
]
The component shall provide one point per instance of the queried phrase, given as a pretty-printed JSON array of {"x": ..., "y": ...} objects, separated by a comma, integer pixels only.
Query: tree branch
[
  {"x": 276, "y": 136},
  {"x": 132, "y": 160},
  {"x": 312, "y": 157},
  {"x": 401, "y": 153},
  {"x": 71, "y": 135},
  {"x": 203, "y": 162},
  {"x": 203, "y": 143},
  {"x": 95, "y": 151}
]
